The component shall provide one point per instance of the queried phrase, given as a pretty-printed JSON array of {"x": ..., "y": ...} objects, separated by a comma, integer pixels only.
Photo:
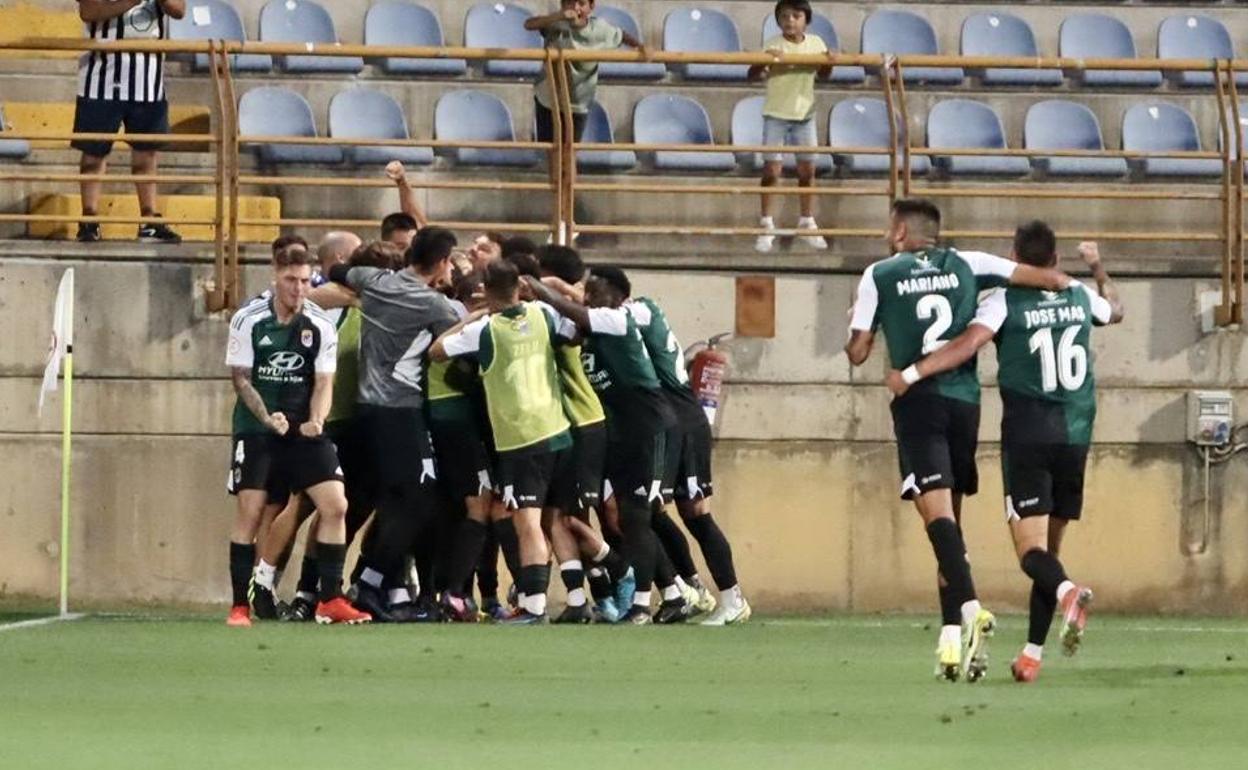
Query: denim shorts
[{"x": 790, "y": 133}]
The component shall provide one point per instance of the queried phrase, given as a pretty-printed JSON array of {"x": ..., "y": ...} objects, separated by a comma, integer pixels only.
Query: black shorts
[
  {"x": 281, "y": 465},
  {"x": 463, "y": 460},
  {"x": 580, "y": 489},
  {"x": 635, "y": 465},
  {"x": 687, "y": 470},
  {"x": 1043, "y": 479},
  {"x": 936, "y": 442},
  {"x": 352, "y": 447},
  {"x": 104, "y": 116},
  {"x": 397, "y": 446},
  {"x": 526, "y": 476}
]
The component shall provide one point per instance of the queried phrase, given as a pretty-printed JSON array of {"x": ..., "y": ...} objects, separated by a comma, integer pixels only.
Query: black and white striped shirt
[{"x": 125, "y": 77}]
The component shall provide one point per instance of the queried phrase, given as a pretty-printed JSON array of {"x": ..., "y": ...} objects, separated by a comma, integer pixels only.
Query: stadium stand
[
  {"x": 1003, "y": 34},
  {"x": 900, "y": 32},
  {"x": 863, "y": 122},
  {"x": 216, "y": 20},
  {"x": 501, "y": 25},
  {"x": 303, "y": 21},
  {"x": 820, "y": 25},
  {"x": 1062, "y": 125},
  {"x": 271, "y": 111},
  {"x": 747, "y": 129},
  {"x": 401, "y": 23},
  {"x": 1160, "y": 126},
  {"x": 1098, "y": 36},
  {"x": 598, "y": 131},
  {"x": 963, "y": 123},
  {"x": 1195, "y": 37},
  {"x": 627, "y": 70},
  {"x": 668, "y": 119},
  {"x": 703, "y": 29},
  {"x": 364, "y": 113},
  {"x": 11, "y": 148},
  {"x": 478, "y": 116}
]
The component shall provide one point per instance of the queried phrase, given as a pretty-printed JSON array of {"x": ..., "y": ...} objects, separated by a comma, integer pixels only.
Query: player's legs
[
  {"x": 251, "y": 508},
  {"x": 330, "y": 500}
]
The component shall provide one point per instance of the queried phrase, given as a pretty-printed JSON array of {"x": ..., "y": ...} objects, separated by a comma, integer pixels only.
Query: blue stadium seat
[
  {"x": 650, "y": 70},
  {"x": 1158, "y": 126},
  {"x": 704, "y": 29},
  {"x": 303, "y": 21},
  {"x": 501, "y": 25},
  {"x": 401, "y": 23},
  {"x": 747, "y": 129},
  {"x": 1002, "y": 34},
  {"x": 216, "y": 20},
  {"x": 11, "y": 148},
  {"x": 1097, "y": 36},
  {"x": 902, "y": 32},
  {"x": 475, "y": 115},
  {"x": 670, "y": 119},
  {"x": 598, "y": 130},
  {"x": 362, "y": 113},
  {"x": 273, "y": 111},
  {"x": 1062, "y": 125},
  {"x": 863, "y": 122},
  {"x": 1195, "y": 37},
  {"x": 819, "y": 25},
  {"x": 962, "y": 123}
]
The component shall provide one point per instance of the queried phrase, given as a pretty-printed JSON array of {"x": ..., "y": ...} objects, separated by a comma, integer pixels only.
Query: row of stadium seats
[
  {"x": 468, "y": 115},
  {"x": 500, "y": 25}
]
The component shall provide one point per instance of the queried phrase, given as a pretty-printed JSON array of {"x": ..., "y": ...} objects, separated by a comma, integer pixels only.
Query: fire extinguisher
[{"x": 707, "y": 371}]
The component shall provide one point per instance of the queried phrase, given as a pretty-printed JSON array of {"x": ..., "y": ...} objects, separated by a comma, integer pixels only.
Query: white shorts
[{"x": 790, "y": 133}]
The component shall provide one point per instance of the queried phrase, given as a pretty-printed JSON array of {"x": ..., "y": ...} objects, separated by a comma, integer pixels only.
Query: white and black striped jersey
[{"x": 125, "y": 77}]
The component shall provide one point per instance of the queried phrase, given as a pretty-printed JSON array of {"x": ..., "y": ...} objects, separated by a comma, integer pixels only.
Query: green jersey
[
  {"x": 347, "y": 378},
  {"x": 924, "y": 299},
  {"x": 453, "y": 385},
  {"x": 620, "y": 369},
  {"x": 515, "y": 353},
  {"x": 1047, "y": 387},
  {"x": 283, "y": 359}
]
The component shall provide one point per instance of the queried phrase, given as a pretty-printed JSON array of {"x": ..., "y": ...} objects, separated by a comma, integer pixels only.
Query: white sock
[
  {"x": 1065, "y": 588},
  {"x": 571, "y": 565},
  {"x": 641, "y": 599},
  {"x": 535, "y": 604},
  {"x": 969, "y": 611},
  {"x": 263, "y": 574},
  {"x": 602, "y": 554},
  {"x": 1033, "y": 650},
  {"x": 671, "y": 593},
  {"x": 399, "y": 596},
  {"x": 951, "y": 634},
  {"x": 767, "y": 222},
  {"x": 681, "y": 585},
  {"x": 731, "y": 597},
  {"x": 372, "y": 577},
  {"x": 576, "y": 597}
]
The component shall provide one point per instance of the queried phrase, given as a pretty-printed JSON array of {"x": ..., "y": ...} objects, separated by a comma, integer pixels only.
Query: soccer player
[
  {"x": 923, "y": 297},
  {"x": 282, "y": 355},
  {"x": 399, "y": 228},
  {"x": 402, "y": 315},
  {"x": 514, "y": 347},
  {"x": 688, "y": 465},
  {"x": 638, "y": 418},
  {"x": 1049, "y": 398}
]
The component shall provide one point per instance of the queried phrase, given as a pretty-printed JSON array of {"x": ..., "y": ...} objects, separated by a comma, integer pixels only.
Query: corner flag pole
[{"x": 62, "y": 347}]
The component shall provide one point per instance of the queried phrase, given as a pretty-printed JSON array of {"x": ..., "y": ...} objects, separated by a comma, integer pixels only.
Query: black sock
[
  {"x": 533, "y": 579},
  {"x": 505, "y": 531},
  {"x": 715, "y": 549},
  {"x": 329, "y": 561},
  {"x": 951, "y": 558},
  {"x": 674, "y": 544},
  {"x": 308, "y": 576},
  {"x": 242, "y": 559},
  {"x": 572, "y": 578},
  {"x": 464, "y": 554},
  {"x": 1044, "y": 568},
  {"x": 642, "y": 544},
  {"x": 950, "y": 610},
  {"x": 1043, "y": 605},
  {"x": 615, "y": 564},
  {"x": 487, "y": 567},
  {"x": 599, "y": 584},
  {"x": 664, "y": 570}
]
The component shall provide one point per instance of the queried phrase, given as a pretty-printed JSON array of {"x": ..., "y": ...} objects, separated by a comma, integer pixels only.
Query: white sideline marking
[
  {"x": 39, "y": 621},
  {"x": 812, "y": 623}
]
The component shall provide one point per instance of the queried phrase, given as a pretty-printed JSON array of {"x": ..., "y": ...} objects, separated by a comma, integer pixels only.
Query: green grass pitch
[{"x": 845, "y": 692}]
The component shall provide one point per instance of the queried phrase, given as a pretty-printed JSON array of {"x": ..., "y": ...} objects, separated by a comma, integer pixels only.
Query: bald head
[{"x": 336, "y": 247}]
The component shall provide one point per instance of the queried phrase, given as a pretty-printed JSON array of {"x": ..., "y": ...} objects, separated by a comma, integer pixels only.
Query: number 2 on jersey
[
  {"x": 935, "y": 305},
  {"x": 1065, "y": 363}
]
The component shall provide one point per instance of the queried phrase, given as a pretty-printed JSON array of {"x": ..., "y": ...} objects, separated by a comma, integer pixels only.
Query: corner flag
[{"x": 62, "y": 348}]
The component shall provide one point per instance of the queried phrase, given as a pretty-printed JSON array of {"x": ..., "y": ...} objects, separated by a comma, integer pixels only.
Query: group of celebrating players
[{"x": 446, "y": 405}]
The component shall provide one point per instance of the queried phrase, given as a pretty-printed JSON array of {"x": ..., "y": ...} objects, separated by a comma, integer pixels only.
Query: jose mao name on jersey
[{"x": 1055, "y": 310}]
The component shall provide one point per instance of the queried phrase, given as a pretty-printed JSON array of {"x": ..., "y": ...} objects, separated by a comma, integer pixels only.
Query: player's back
[{"x": 664, "y": 348}]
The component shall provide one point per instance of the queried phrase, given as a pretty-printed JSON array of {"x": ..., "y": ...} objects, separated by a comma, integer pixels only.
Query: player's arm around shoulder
[
  {"x": 862, "y": 318},
  {"x": 462, "y": 339},
  {"x": 989, "y": 318}
]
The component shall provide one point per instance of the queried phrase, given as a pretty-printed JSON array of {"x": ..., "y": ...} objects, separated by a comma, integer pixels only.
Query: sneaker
[
  {"x": 949, "y": 661},
  {"x": 606, "y": 611},
  {"x": 1074, "y": 618},
  {"x": 706, "y": 600},
  {"x": 369, "y": 599},
  {"x": 672, "y": 611},
  {"x": 301, "y": 610},
  {"x": 414, "y": 612},
  {"x": 625, "y": 587},
  {"x": 240, "y": 617},
  {"x": 158, "y": 232},
  {"x": 513, "y": 596},
  {"x": 493, "y": 609},
  {"x": 692, "y": 597},
  {"x": 88, "y": 232},
  {"x": 766, "y": 242},
  {"x": 458, "y": 609},
  {"x": 524, "y": 618},
  {"x": 339, "y": 610},
  {"x": 813, "y": 241},
  {"x": 637, "y": 616},
  {"x": 728, "y": 615},
  {"x": 975, "y": 645},
  {"x": 1025, "y": 668},
  {"x": 262, "y": 601},
  {"x": 575, "y": 615}
]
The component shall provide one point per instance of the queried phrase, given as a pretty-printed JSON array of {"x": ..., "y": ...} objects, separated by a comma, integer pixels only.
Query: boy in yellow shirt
[{"x": 789, "y": 114}]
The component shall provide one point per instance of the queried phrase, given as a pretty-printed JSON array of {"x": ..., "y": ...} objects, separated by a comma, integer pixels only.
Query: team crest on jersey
[{"x": 305, "y": 338}]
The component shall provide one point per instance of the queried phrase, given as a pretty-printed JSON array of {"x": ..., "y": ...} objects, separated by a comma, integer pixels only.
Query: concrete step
[{"x": 173, "y": 207}]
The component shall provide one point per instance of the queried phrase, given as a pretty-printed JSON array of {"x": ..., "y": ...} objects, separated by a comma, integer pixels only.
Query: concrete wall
[{"x": 805, "y": 464}]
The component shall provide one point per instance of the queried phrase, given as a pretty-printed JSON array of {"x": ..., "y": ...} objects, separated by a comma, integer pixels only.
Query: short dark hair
[
  {"x": 495, "y": 236},
  {"x": 283, "y": 242},
  {"x": 920, "y": 211},
  {"x": 1035, "y": 244},
  {"x": 526, "y": 263},
  {"x": 518, "y": 244},
  {"x": 430, "y": 246},
  {"x": 502, "y": 279},
  {"x": 288, "y": 257},
  {"x": 797, "y": 5},
  {"x": 563, "y": 262},
  {"x": 382, "y": 254},
  {"x": 395, "y": 222},
  {"x": 613, "y": 277}
]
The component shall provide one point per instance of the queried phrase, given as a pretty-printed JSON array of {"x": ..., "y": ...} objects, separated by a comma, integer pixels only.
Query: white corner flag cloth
[{"x": 62, "y": 339}]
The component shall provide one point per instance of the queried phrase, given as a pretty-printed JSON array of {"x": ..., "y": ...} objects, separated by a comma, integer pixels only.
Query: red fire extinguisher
[{"x": 707, "y": 371}]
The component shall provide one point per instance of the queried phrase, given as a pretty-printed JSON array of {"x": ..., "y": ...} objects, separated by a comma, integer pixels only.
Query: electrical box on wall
[{"x": 1210, "y": 417}]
